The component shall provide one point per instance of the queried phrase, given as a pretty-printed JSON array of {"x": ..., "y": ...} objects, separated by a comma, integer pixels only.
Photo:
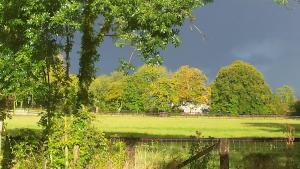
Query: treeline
[
  {"x": 150, "y": 89},
  {"x": 239, "y": 88}
]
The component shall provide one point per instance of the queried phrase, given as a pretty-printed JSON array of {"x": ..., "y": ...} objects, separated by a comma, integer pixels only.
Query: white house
[{"x": 190, "y": 108}]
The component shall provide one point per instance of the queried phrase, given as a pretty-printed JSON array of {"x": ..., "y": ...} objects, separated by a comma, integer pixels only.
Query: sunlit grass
[{"x": 147, "y": 126}]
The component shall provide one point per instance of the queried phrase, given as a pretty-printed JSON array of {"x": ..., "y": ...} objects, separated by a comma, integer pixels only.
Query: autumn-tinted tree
[
  {"x": 240, "y": 88},
  {"x": 151, "y": 88},
  {"x": 191, "y": 86}
]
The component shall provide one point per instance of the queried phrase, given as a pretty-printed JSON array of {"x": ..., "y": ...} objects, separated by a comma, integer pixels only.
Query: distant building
[{"x": 190, "y": 108}]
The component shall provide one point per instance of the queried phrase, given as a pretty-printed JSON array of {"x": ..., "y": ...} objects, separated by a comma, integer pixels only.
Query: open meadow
[{"x": 178, "y": 126}]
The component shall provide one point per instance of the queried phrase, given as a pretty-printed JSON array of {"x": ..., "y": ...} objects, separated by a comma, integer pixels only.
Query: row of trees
[
  {"x": 239, "y": 88},
  {"x": 150, "y": 88}
]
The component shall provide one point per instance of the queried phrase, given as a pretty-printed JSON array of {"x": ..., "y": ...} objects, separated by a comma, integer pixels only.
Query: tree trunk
[
  {"x": 1, "y": 128},
  {"x": 88, "y": 56},
  {"x": 14, "y": 106},
  {"x": 89, "y": 53}
]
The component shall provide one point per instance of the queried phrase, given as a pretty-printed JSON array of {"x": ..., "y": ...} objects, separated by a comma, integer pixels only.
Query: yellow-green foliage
[
  {"x": 107, "y": 92},
  {"x": 137, "y": 86},
  {"x": 161, "y": 94},
  {"x": 191, "y": 85},
  {"x": 150, "y": 88}
]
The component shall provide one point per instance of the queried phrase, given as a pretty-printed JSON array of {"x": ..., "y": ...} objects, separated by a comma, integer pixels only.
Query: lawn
[{"x": 147, "y": 126}]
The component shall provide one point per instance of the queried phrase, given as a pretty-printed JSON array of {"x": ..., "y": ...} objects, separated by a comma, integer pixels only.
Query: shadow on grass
[
  {"x": 143, "y": 135},
  {"x": 20, "y": 131},
  {"x": 275, "y": 127}
]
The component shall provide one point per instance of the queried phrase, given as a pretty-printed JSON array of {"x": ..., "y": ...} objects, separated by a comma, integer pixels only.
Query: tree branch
[
  {"x": 103, "y": 31},
  {"x": 110, "y": 35}
]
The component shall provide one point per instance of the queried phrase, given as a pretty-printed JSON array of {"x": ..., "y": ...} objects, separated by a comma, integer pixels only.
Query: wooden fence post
[
  {"x": 224, "y": 153},
  {"x": 130, "y": 148},
  {"x": 45, "y": 164},
  {"x": 75, "y": 155}
]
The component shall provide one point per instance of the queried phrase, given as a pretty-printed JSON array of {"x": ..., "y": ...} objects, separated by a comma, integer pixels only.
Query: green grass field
[{"x": 136, "y": 126}]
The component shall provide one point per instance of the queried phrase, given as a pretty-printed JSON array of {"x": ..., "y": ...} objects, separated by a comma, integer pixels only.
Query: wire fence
[{"x": 159, "y": 152}]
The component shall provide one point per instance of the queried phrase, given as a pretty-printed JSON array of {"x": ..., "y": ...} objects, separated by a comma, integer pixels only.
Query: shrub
[{"x": 23, "y": 150}]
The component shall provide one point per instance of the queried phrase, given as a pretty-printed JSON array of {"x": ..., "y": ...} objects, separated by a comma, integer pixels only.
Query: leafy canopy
[
  {"x": 161, "y": 95},
  {"x": 191, "y": 85},
  {"x": 150, "y": 89},
  {"x": 137, "y": 85},
  {"x": 107, "y": 92},
  {"x": 240, "y": 88}
]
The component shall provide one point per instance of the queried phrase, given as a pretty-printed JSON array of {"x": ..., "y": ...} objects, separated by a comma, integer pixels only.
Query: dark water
[{"x": 242, "y": 155}]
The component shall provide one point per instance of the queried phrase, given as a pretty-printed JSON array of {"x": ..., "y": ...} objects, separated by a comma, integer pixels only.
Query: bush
[{"x": 23, "y": 150}]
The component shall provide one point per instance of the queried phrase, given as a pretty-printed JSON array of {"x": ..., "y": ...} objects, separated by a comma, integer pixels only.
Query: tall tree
[
  {"x": 240, "y": 89},
  {"x": 191, "y": 85}
]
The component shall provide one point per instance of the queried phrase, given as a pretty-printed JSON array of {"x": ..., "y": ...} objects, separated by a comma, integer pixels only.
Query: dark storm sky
[{"x": 258, "y": 31}]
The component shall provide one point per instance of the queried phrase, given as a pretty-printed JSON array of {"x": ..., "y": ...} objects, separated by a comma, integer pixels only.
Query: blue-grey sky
[{"x": 258, "y": 31}]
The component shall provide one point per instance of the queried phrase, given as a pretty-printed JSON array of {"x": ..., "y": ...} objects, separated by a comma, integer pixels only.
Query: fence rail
[
  {"x": 213, "y": 140},
  {"x": 21, "y": 112},
  {"x": 199, "y": 115}
]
